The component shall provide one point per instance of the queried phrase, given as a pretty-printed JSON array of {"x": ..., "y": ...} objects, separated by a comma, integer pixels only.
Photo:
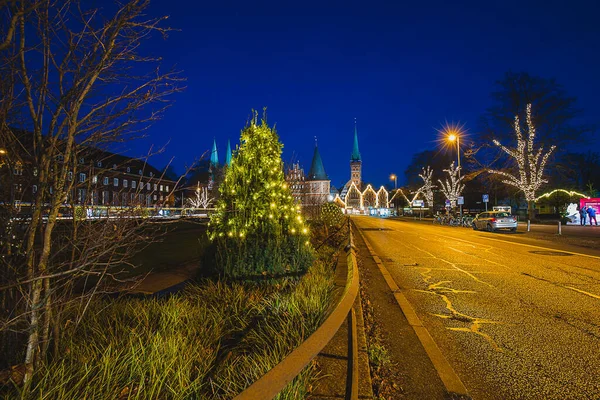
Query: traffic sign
[
  {"x": 461, "y": 200},
  {"x": 486, "y": 198}
]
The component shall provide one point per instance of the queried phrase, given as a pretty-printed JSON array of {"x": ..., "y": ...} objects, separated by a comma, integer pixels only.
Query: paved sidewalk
[
  {"x": 332, "y": 361},
  {"x": 412, "y": 374}
]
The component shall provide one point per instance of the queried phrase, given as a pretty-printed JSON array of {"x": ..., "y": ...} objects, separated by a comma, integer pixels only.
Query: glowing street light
[
  {"x": 455, "y": 137},
  {"x": 2, "y": 151},
  {"x": 395, "y": 179}
]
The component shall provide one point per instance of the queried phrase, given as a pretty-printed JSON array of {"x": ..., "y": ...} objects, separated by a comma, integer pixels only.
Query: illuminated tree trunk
[{"x": 530, "y": 163}]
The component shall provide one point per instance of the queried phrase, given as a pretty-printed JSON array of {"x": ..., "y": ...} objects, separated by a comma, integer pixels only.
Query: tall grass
[{"x": 210, "y": 341}]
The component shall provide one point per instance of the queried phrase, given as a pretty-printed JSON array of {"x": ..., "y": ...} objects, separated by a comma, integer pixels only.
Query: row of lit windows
[
  {"x": 106, "y": 180},
  {"x": 60, "y": 157}
]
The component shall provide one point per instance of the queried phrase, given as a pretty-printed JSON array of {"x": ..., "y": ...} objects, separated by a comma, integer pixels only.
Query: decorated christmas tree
[{"x": 258, "y": 229}]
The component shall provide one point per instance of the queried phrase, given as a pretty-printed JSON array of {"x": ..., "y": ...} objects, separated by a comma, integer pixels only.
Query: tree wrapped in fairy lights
[
  {"x": 428, "y": 186},
  {"x": 258, "y": 229},
  {"x": 530, "y": 162},
  {"x": 453, "y": 186}
]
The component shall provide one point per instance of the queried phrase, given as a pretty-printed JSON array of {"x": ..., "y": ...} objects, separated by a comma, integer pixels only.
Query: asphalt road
[{"x": 516, "y": 318}]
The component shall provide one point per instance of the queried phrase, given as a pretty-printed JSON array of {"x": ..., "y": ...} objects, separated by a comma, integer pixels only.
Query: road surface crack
[{"x": 475, "y": 323}]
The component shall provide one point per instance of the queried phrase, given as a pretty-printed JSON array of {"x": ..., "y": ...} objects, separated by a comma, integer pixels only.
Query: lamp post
[
  {"x": 455, "y": 137},
  {"x": 395, "y": 178}
]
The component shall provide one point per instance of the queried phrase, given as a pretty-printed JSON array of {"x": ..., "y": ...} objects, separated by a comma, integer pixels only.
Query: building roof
[
  {"x": 89, "y": 155},
  {"x": 317, "y": 171},
  {"x": 355, "y": 153}
]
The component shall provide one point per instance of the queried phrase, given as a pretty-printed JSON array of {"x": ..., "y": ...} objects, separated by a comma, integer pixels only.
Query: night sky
[{"x": 402, "y": 69}]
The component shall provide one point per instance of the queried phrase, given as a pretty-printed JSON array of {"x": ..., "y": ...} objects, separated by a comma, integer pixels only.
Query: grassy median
[{"x": 210, "y": 341}]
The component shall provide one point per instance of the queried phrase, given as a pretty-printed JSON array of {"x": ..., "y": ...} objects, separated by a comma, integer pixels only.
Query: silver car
[{"x": 493, "y": 220}]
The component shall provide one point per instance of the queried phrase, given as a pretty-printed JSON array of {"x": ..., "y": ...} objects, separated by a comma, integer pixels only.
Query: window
[
  {"x": 167, "y": 188},
  {"x": 105, "y": 180},
  {"x": 140, "y": 172},
  {"x": 70, "y": 176},
  {"x": 133, "y": 184},
  {"x": 132, "y": 196},
  {"x": 124, "y": 199},
  {"x": 81, "y": 177},
  {"x": 18, "y": 187},
  {"x": 155, "y": 187},
  {"x": 162, "y": 188},
  {"x": 114, "y": 166},
  {"x": 148, "y": 186},
  {"x": 18, "y": 169},
  {"x": 128, "y": 170},
  {"x": 116, "y": 181},
  {"x": 51, "y": 190},
  {"x": 99, "y": 164},
  {"x": 35, "y": 172},
  {"x": 34, "y": 188},
  {"x": 81, "y": 160},
  {"x": 154, "y": 197},
  {"x": 81, "y": 194},
  {"x": 95, "y": 179},
  {"x": 125, "y": 183},
  {"x": 151, "y": 174}
]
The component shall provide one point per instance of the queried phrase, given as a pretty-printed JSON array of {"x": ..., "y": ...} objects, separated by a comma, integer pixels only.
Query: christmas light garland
[{"x": 571, "y": 193}]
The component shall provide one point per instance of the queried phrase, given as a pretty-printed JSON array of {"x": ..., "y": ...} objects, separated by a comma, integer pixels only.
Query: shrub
[{"x": 331, "y": 214}]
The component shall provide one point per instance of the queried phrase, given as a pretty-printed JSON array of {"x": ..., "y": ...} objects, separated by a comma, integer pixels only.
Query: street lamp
[
  {"x": 455, "y": 137},
  {"x": 395, "y": 179}
]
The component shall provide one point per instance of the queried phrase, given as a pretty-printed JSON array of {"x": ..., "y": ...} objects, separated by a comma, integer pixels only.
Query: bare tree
[
  {"x": 530, "y": 162},
  {"x": 200, "y": 199},
  {"x": 453, "y": 186},
  {"x": 73, "y": 80}
]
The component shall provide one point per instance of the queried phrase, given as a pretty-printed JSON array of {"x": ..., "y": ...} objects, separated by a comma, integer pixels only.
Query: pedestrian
[
  {"x": 582, "y": 215},
  {"x": 592, "y": 213}
]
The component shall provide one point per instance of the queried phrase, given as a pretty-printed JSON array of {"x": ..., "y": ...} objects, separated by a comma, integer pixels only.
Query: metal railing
[
  {"x": 23, "y": 210},
  {"x": 274, "y": 381}
]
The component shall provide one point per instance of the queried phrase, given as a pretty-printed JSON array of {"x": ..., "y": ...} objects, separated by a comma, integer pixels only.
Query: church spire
[
  {"x": 317, "y": 171},
  {"x": 355, "y": 153},
  {"x": 214, "y": 156},
  {"x": 228, "y": 154}
]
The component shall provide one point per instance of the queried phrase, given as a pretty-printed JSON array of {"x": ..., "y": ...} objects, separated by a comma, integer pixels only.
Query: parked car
[{"x": 493, "y": 220}]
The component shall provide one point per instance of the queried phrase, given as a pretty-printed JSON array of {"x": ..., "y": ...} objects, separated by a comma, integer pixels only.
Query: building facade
[
  {"x": 355, "y": 195},
  {"x": 96, "y": 178}
]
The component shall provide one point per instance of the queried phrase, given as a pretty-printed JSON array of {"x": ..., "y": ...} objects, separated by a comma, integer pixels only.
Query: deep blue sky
[{"x": 401, "y": 68}]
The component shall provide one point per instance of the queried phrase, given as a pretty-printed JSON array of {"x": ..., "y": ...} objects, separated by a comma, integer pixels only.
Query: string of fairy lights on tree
[
  {"x": 453, "y": 186},
  {"x": 530, "y": 162},
  {"x": 254, "y": 196},
  {"x": 428, "y": 186}
]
